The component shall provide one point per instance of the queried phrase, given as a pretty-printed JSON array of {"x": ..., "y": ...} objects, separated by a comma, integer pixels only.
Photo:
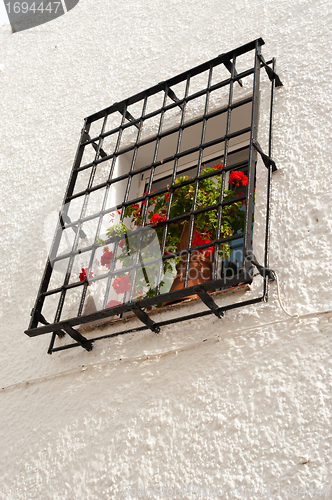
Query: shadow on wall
[{"x": 27, "y": 14}]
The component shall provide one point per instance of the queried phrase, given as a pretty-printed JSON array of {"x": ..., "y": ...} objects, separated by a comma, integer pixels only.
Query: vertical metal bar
[
  {"x": 180, "y": 128},
  {"x": 93, "y": 251},
  {"x": 57, "y": 238},
  {"x": 77, "y": 235},
  {"x": 251, "y": 162},
  {"x": 176, "y": 161},
  {"x": 223, "y": 178},
  {"x": 268, "y": 192},
  {"x": 145, "y": 206},
  {"x": 112, "y": 265},
  {"x": 199, "y": 162},
  {"x": 162, "y": 248},
  {"x": 114, "y": 158}
]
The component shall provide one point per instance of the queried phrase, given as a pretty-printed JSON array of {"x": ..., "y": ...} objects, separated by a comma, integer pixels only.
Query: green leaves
[
  {"x": 127, "y": 240},
  {"x": 119, "y": 229}
]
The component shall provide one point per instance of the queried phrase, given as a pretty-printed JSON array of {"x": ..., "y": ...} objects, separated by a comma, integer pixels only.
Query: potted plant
[{"x": 124, "y": 237}]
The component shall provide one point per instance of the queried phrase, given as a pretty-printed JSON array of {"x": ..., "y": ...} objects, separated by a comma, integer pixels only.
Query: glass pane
[
  {"x": 80, "y": 267},
  {"x": 96, "y": 128},
  {"x": 58, "y": 273},
  {"x": 82, "y": 180},
  {"x": 50, "y": 306},
  {"x": 71, "y": 303},
  {"x": 102, "y": 172}
]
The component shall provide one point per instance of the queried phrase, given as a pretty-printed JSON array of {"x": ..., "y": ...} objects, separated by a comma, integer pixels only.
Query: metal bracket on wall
[
  {"x": 128, "y": 116},
  {"x": 74, "y": 334},
  {"x": 208, "y": 301},
  {"x": 172, "y": 96},
  {"x": 142, "y": 316},
  {"x": 95, "y": 146},
  {"x": 67, "y": 220},
  {"x": 228, "y": 65},
  {"x": 43, "y": 321},
  {"x": 263, "y": 271},
  {"x": 266, "y": 159},
  {"x": 270, "y": 72}
]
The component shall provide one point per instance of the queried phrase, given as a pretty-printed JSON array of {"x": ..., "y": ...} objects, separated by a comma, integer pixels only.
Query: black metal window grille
[{"x": 164, "y": 147}]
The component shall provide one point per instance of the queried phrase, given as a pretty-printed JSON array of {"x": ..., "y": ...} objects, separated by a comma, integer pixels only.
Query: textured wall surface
[{"x": 249, "y": 407}]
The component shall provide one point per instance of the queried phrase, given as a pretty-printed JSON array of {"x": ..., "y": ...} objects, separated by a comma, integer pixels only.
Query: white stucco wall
[{"x": 240, "y": 402}]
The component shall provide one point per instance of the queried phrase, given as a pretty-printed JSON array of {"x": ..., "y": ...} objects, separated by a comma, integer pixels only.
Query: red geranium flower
[
  {"x": 217, "y": 166},
  {"x": 237, "y": 178},
  {"x": 156, "y": 218},
  {"x": 166, "y": 197},
  {"x": 106, "y": 258},
  {"x": 167, "y": 252},
  {"x": 113, "y": 303},
  {"x": 199, "y": 240},
  {"x": 151, "y": 199},
  {"x": 82, "y": 275},
  {"x": 121, "y": 284},
  {"x": 136, "y": 209}
]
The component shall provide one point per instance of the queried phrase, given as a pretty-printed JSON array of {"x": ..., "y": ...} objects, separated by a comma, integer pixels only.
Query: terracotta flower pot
[{"x": 199, "y": 269}]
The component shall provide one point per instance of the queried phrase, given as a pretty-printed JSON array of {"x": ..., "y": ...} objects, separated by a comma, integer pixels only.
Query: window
[{"x": 160, "y": 202}]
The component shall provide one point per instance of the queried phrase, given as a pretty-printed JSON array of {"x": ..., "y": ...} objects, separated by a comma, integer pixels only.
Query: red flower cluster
[
  {"x": 135, "y": 209},
  {"x": 121, "y": 284},
  {"x": 217, "y": 166},
  {"x": 166, "y": 197},
  {"x": 122, "y": 243},
  {"x": 199, "y": 240},
  {"x": 113, "y": 303},
  {"x": 238, "y": 178},
  {"x": 106, "y": 258},
  {"x": 151, "y": 199},
  {"x": 156, "y": 218},
  {"x": 82, "y": 275}
]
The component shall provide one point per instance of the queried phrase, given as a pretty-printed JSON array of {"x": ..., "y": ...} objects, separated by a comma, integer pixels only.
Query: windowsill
[{"x": 169, "y": 307}]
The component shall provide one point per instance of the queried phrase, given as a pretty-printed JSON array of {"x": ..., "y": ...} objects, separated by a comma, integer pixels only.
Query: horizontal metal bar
[
  {"x": 190, "y": 250},
  {"x": 147, "y": 302},
  {"x": 165, "y": 134},
  {"x": 147, "y": 168},
  {"x": 171, "y": 321},
  {"x": 209, "y": 115}
]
